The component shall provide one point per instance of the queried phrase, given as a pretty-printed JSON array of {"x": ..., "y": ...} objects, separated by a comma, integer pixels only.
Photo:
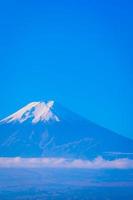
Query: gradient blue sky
[{"x": 78, "y": 53}]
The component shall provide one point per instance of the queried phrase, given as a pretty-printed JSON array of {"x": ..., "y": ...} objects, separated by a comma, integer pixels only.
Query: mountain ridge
[{"x": 52, "y": 130}]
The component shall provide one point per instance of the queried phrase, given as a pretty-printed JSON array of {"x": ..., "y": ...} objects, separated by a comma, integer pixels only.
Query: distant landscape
[
  {"x": 50, "y": 153},
  {"x": 54, "y": 184}
]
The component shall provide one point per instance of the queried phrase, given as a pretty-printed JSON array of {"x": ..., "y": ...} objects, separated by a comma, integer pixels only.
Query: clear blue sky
[{"x": 78, "y": 53}]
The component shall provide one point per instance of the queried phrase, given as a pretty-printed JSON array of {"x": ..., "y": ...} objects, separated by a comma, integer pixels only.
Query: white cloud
[{"x": 98, "y": 163}]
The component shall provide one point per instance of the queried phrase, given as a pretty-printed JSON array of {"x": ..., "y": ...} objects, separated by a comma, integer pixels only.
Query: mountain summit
[
  {"x": 47, "y": 129},
  {"x": 36, "y": 111}
]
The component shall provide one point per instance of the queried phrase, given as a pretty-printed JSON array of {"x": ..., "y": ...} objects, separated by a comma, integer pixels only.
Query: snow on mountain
[
  {"x": 47, "y": 129},
  {"x": 36, "y": 111}
]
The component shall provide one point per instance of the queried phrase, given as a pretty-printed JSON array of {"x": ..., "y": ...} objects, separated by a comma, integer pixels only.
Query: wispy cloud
[{"x": 98, "y": 163}]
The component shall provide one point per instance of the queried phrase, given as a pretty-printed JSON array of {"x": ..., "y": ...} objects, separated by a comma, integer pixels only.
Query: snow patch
[{"x": 36, "y": 111}]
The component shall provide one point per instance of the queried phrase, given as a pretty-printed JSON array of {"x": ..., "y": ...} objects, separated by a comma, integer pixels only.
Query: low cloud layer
[{"x": 98, "y": 163}]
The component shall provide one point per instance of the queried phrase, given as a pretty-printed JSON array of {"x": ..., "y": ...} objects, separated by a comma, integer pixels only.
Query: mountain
[{"x": 47, "y": 129}]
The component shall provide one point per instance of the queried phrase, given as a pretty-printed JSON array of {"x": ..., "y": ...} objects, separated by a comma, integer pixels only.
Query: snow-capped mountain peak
[
  {"x": 48, "y": 129},
  {"x": 36, "y": 111}
]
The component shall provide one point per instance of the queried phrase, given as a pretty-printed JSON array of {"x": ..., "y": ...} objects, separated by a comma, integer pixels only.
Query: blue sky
[{"x": 78, "y": 53}]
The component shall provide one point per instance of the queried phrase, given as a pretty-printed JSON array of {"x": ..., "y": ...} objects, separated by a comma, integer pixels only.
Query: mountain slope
[{"x": 50, "y": 130}]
